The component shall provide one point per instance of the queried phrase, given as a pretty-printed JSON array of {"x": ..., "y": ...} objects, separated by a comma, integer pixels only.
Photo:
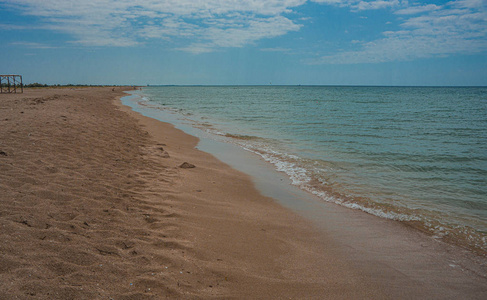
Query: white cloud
[
  {"x": 13, "y": 27},
  {"x": 255, "y": 30},
  {"x": 32, "y": 45},
  {"x": 200, "y": 26},
  {"x": 359, "y": 5},
  {"x": 332, "y": 2},
  {"x": 197, "y": 48},
  {"x": 458, "y": 27},
  {"x": 374, "y": 5},
  {"x": 204, "y": 23},
  {"x": 417, "y": 9},
  {"x": 468, "y": 4},
  {"x": 277, "y": 49}
]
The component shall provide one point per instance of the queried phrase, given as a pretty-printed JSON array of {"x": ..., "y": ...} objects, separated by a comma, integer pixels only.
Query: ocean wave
[
  {"x": 345, "y": 179},
  {"x": 306, "y": 179}
]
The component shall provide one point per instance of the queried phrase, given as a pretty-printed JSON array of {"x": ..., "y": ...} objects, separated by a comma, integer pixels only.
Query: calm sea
[{"x": 413, "y": 154}]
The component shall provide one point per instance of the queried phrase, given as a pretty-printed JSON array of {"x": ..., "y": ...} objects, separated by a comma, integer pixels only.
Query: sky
[{"x": 227, "y": 42}]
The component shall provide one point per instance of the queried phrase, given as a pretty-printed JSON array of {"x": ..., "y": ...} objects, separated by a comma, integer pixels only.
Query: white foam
[
  {"x": 299, "y": 177},
  {"x": 353, "y": 205},
  {"x": 297, "y": 174}
]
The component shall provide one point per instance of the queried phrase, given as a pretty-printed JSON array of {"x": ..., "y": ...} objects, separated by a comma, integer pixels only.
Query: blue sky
[{"x": 329, "y": 42}]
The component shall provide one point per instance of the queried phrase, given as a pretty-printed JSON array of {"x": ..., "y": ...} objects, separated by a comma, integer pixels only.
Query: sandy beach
[{"x": 99, "y": 202}]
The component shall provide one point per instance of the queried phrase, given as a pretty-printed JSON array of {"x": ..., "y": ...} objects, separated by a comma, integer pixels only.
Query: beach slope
[{"x": 97, "y": 202}]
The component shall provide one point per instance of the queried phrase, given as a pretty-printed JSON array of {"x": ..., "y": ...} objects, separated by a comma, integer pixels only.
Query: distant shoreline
[
  {"x": 313, "y": 85},
  {"x": 40, "y": 85}
]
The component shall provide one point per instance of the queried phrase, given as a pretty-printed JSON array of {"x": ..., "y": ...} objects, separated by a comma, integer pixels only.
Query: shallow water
[{"x": 413, "y": 154}]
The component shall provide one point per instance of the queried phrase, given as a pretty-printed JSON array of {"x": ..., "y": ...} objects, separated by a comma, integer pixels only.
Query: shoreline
[
  {"x": 281, "y": 253},
  {"x": 432, "y": 215},
  {"x": 93, "y": 207},
  {"x": 209, "y": 142},
  {"x": 350, "y": 227}
]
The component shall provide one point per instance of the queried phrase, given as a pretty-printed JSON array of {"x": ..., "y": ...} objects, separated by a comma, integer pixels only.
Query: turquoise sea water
[{"x": 414, "y": 154}]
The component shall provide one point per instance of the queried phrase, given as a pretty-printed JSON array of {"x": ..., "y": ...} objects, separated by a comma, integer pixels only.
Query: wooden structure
[{"x": 11, "y": 84}]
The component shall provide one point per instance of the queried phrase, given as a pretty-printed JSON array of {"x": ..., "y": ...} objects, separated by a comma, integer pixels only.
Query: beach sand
[{"x": 99, "y": 202}]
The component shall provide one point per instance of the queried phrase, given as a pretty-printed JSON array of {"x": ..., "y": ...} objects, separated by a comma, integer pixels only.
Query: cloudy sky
[{"x": 330, "y": 42}]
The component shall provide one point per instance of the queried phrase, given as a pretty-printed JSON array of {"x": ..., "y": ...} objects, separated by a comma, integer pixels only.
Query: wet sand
[{"x": 97, "y": 203}]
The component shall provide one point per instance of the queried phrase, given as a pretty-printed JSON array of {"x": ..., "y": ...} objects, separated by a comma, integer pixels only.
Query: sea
[{"x": 417, "y": 155}]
